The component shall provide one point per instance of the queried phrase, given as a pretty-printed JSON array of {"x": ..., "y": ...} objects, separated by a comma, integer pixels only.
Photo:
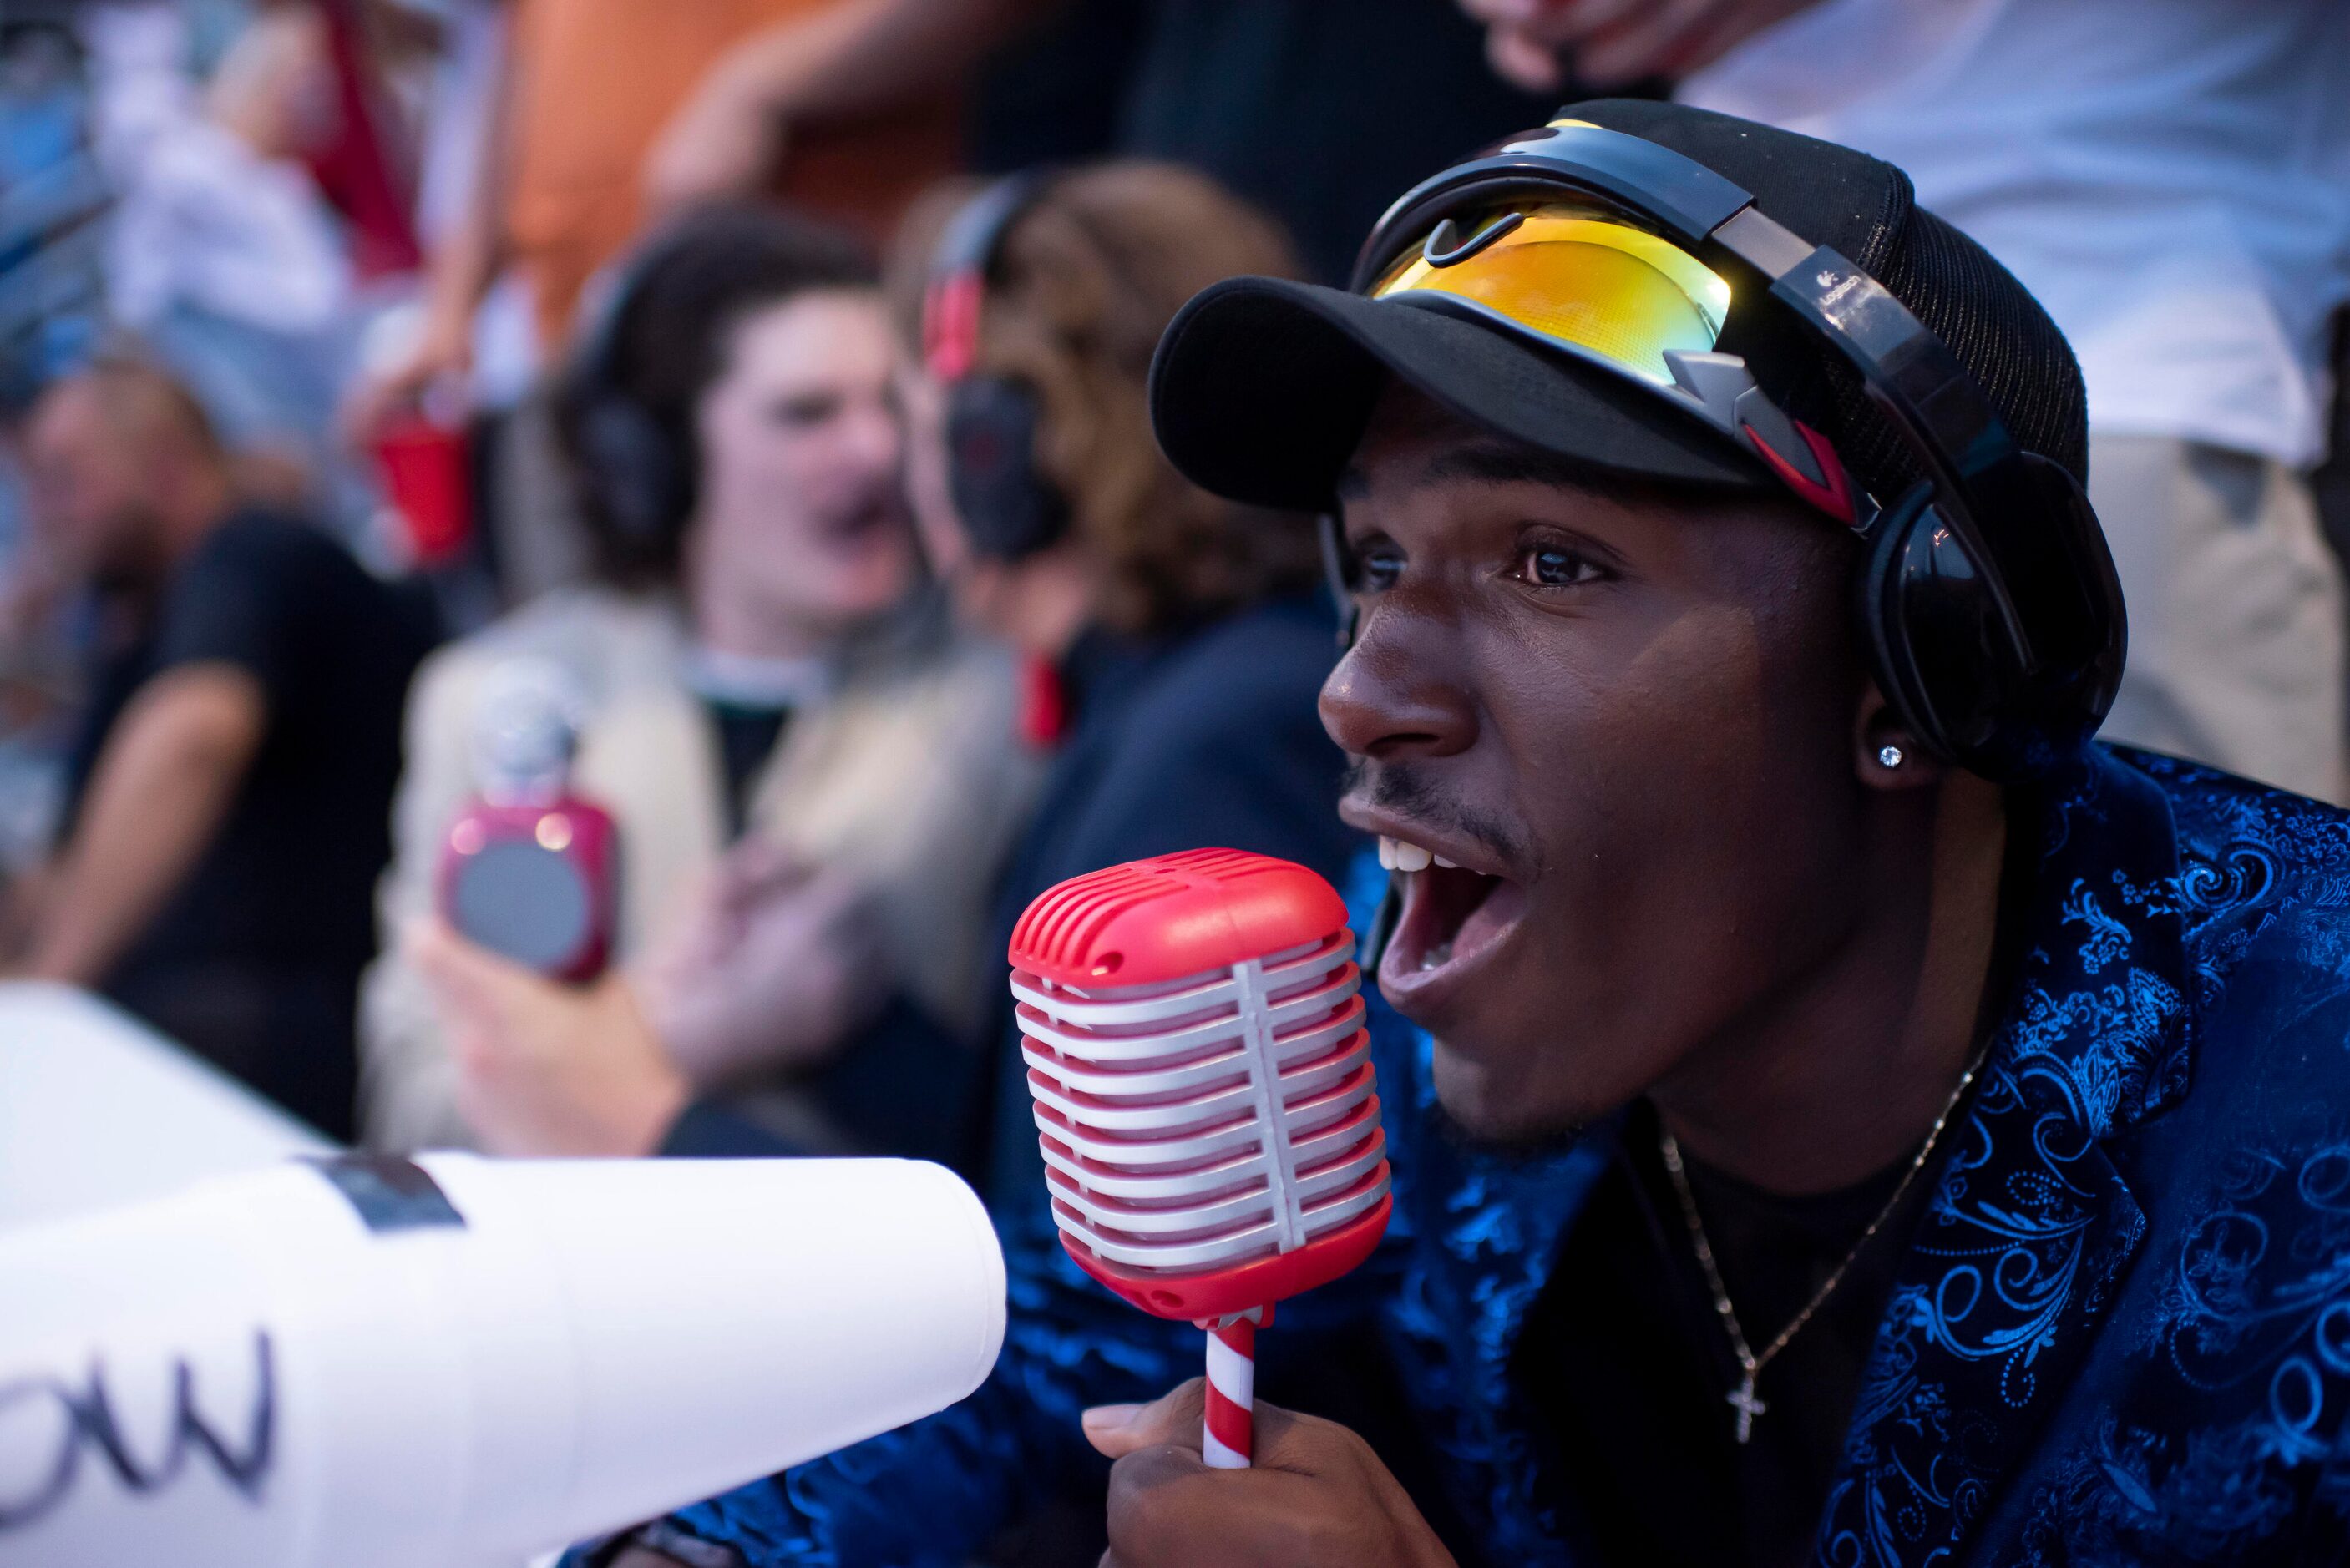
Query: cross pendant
[{"x": 1748, "y": 1406}]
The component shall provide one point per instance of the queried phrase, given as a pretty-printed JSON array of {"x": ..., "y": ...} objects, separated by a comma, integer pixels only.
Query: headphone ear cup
[
  {"x": 2090, "y": 638},
  {"x": 1009, "y": 509},
  {"x": 640, "y": 482},
  {"x": 1883, "y": 632},
  {"x": 1932, "y": 629}
]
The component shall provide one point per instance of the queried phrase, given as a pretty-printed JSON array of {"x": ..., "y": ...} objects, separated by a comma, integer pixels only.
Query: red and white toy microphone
[
  {"x": 1204, "y": 1094},
  {"x": 529, "y": 868}
]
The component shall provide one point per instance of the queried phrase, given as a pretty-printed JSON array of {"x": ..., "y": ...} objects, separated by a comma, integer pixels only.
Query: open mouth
[
  {"x": 861, "y": 523},
  {"x": 1452, "y": 921}
]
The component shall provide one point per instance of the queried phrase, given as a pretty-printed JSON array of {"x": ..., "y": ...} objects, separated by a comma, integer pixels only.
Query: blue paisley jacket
[{"x": 2120, "y": 1335}]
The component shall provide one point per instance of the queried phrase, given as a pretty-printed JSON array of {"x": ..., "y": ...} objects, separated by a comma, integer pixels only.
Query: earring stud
[{"x": 1888, "y": 756}]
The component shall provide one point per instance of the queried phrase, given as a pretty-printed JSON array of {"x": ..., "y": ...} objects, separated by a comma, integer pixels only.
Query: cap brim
[{"x": 1262, "y": 387}]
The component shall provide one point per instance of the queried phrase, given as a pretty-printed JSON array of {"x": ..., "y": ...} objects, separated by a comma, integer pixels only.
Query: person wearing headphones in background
[
  {"x": 1173, "y": 642},
  {"x": 760, "y": 666},
  {"x": 1840, "y": 1111}
]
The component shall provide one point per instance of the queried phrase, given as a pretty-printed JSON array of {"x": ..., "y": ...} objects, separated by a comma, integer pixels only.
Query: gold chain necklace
[{"x": 1751, "y": 1364}]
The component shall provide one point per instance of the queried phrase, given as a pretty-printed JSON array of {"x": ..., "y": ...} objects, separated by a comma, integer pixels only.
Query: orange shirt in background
[{"x": 597, "y": 80}]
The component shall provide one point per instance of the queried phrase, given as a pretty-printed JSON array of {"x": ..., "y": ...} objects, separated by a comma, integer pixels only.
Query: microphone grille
[
  {"x": 1205, "y": 1102},
  {"x": 526, "y": 729},
  {"x": 1171, "y": 915}
]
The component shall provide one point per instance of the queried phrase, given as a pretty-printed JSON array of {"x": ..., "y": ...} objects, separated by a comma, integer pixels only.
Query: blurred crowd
[
  {"x": 370, "y": 360},
  {"x": 766, "y": 380}
]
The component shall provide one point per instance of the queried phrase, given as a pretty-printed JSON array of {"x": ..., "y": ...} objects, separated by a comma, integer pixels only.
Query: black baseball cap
[{"x": 1262, "y": 387}]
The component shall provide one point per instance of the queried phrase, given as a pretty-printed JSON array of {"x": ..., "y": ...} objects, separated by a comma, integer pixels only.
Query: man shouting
[{"x": 1839, "y": 1111}]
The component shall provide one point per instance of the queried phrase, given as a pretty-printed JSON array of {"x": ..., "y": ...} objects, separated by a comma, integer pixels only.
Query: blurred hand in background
[
  {"x": 725, "y": 141},
  {"x": 437, "y": 358},
  {"x": 1540, "y": 44},
  {"x": 832, "y": 64},
  {"x": 546, "y": 1069},
  {"x": 760, "y": 973}
]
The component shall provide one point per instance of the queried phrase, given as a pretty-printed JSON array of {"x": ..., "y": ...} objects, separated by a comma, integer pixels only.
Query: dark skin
[{"x": 1637, "y": 722}]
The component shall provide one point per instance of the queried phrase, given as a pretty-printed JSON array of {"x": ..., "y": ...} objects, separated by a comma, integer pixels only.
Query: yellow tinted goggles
[{"x": 1574, "y": 276}]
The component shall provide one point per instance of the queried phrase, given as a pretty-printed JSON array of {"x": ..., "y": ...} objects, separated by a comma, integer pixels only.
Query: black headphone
[
  {"x": 1989, "y": 604},
  {"x": 642, "y": 479},
  {"x": 1009, "y": 508}
]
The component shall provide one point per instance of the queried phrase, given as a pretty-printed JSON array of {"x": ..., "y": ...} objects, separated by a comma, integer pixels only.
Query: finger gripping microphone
[{"x": 1204, "y": 1096}]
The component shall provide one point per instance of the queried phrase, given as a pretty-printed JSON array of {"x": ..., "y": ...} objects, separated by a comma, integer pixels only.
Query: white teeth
[
  {"x": 1448, "y": 865},
  {"x": 1402, "y": 855},
  {"x": 1437, "y": 957}
]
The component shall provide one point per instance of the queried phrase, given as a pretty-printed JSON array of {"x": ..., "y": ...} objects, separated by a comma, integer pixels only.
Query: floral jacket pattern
[{"x": 2121, "y": 1333}]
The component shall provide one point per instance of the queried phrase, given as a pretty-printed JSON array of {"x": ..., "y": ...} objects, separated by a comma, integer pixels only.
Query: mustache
[{"x": 1410, "y": 792}]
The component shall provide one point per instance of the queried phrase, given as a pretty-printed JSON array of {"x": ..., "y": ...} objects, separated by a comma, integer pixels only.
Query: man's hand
[
  {"x": 546, "y": 1069},
  {"x": 1611, "y": 42},
  {"x": 1318, "y": 1497},
  {"x": 770, "y": 966},
  {"x": 725, "y": 140},
  {"x": 837, "y": 63},
  {"x": 441, "y": 357}
]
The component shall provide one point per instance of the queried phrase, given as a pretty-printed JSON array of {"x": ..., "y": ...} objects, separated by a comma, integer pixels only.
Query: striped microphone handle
[{"x": 1228, "y": 1440}]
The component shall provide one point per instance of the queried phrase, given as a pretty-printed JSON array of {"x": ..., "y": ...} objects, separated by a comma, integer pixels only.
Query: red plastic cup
[{"x": 427, "y": 478}]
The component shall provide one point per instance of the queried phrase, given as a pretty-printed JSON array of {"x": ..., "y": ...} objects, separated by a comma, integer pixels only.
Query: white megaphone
[{"x": 455, "y": 1363}]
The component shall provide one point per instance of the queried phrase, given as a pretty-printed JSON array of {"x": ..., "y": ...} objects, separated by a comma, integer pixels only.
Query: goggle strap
[
  {"x": 1444, "y": 247},
  {"x": 1723, "y": 389},
  {"x": 1832, "y": 493},
  {"x": 1717, "y": 383},
  {"x": 1685, "y": 195},
  {"x": 1758, "y": 418}
]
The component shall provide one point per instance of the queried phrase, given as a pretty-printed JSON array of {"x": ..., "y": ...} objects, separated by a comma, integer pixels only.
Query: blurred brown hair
[
  {"x": 145, "y": 403},
  {"x": 153, "y": 409},
  {"x": 1081, "y": 287}
]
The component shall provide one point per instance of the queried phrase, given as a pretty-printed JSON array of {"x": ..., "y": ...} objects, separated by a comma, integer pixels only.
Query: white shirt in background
[
  {"x": 2171, "y": 177},
  {"x": 202, "y": 220}
]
